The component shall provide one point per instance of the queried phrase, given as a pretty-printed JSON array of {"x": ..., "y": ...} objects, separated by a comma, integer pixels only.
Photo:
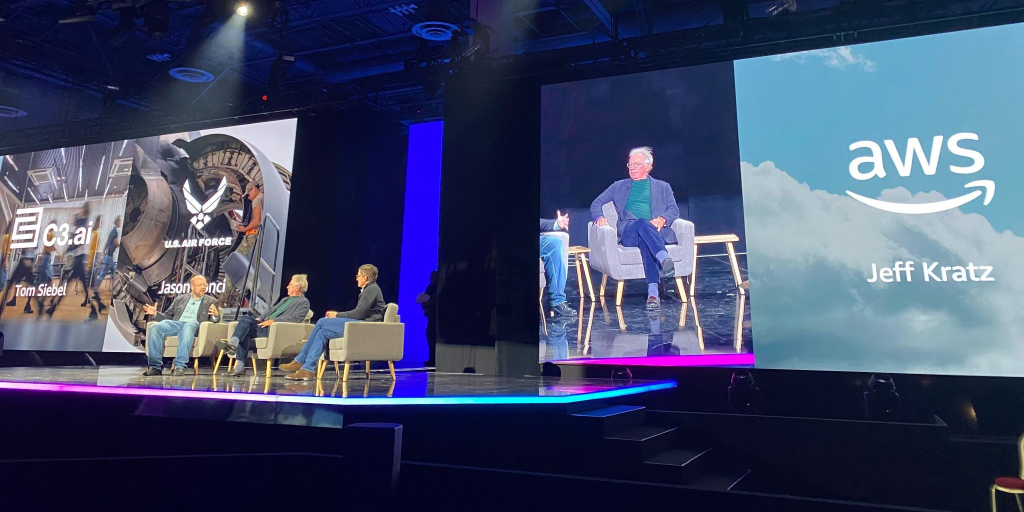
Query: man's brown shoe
[
  {"x": 301, "y": 375},
  {"x": 293, "y": 366}
]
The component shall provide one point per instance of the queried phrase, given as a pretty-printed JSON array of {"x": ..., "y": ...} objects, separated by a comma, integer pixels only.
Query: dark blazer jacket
[
  {"x": 178, "y": 307},
  {"x": 663, "y": 204}
]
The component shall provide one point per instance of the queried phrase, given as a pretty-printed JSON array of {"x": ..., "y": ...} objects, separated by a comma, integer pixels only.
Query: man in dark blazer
[
  {"x": 290, "y": 308},
  {"x": 182, "y": 319},
  {"x": 646, "y": 208}
]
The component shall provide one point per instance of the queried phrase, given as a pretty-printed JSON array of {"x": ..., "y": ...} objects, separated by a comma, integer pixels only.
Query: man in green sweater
[{"x": 646, "y": 208}]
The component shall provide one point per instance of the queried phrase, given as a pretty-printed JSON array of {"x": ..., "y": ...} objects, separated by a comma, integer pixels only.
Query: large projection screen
[{"x": 92, "y": 233}]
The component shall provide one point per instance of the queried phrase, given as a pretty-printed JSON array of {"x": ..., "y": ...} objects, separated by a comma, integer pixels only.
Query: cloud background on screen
[{"x": 810, "y": 247}]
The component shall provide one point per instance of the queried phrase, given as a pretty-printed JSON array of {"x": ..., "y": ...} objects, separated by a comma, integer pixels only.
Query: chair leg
[
  {"x": 1020, "y": 506},
  {"x": 586, "y": 273},
  {"x": 604, "y": 283},
  {"x": 391, "y": 366},
  {"x": 344, "y": 376},
  {"x": 269, "y": 366},
  {"x": 216, "y": 363},
  {"x": 195, "y": 366},
  {"x": 256, "y": 368},
  {"x": 618, "y": 293},
  {"x": 681, "y": 288},
  {"x": 337, "y": 370},
  {"x": 992, "y": 492},
  {"x": 367, "y": 370}
]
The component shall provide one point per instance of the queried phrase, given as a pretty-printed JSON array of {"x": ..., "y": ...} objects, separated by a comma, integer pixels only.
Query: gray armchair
[{"x": 622, "y": 263}]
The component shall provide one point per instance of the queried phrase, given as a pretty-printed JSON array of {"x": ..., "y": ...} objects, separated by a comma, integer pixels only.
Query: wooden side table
[
  {"x": 728, "y": 240},
  {"x": 579, "y": 254}
]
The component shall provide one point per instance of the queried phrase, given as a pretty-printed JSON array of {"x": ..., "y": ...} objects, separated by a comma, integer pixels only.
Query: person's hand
[
  {"x": 562, "y": 221},
  {"x": 601, "y": 222},
  {"x": 240, "y": 228},
  {"x": 213, "y": 310},
  {"x": 266, "y": 323},
  {"x": 659, "y": 222},
  {"x": 331, "y": 314},
  {"x": 149, "y": 310}
]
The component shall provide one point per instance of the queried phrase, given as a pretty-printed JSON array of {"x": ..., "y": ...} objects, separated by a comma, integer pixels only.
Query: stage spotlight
[
  {"x": 243, "y": 9},
  {"x": 780, "y": 6},
  {"x": 881, "y": 401}
]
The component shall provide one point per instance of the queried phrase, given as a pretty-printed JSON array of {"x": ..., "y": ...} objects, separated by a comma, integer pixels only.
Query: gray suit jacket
[
  {"x": 178, "y": 307},
  {"x": 295, "y": 312}
]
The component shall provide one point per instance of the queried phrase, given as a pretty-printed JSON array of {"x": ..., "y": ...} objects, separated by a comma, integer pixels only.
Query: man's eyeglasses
[{"x": 634, "y": 165}]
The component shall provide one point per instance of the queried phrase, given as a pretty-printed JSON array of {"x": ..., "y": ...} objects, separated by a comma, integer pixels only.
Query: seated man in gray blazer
[
  {"x": 182, "y": 319},
  {"x": 645, "y": 207},
  {"x": 290, "y": 308}
]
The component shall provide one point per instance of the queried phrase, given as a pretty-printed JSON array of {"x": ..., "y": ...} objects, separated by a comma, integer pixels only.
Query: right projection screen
[{"x": 882, "y": 202}]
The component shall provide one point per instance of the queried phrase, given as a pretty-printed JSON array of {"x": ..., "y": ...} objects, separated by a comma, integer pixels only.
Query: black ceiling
[{"x": 101, "y": 73}]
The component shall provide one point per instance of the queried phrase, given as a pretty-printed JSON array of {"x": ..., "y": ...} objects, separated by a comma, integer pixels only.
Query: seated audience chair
[
  {"x": 1011, "y": 484},
  {"x": 622, "y": 263},
  {"x": 368, "y": 341},
  {"x": 203, "y": 346},
  {"x": 285, "y": 339}
]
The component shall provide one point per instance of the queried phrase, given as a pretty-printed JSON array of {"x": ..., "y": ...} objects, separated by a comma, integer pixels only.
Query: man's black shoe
[
  {"x": 562, "y": 310},
  {"x": 153, "y": 372},
  {"x": 653, "y": 303},
  {"x": 13, "y": 302},
  {"x": 178, "y": 372},
  {"x": 229, "y": 349},
  {"x": 668, "y": 268}
]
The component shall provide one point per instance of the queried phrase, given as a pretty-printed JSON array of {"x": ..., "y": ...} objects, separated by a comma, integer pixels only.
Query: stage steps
[{"x": 637, "y": 446}]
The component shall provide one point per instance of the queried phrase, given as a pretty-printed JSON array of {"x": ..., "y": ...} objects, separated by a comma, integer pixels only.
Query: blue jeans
[
  {"x": 642, "y": 234},
  {"x": 247, "y": 331},
  {"x": 325, "y": 330},
  {"x": 186, "y": 333},
  {"x": 556, "y": 266},
  {"x": 106, "y": 269}
]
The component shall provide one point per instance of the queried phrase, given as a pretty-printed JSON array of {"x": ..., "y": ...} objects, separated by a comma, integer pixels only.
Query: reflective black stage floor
[
  {"x": 711, "y": 329},
  {"x": 410, "y": 388}
]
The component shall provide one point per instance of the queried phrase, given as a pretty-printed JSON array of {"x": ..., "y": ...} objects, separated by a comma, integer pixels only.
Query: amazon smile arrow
[{"x": 938, "y": 206}]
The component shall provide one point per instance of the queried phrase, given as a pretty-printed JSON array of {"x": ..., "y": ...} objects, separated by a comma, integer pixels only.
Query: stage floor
[
  {"x": 410, "y": 388},
  {"x": 711, "y": 329}
]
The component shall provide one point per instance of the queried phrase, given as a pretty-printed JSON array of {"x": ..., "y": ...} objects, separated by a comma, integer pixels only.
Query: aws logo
[{"x": 929, "y": 163}]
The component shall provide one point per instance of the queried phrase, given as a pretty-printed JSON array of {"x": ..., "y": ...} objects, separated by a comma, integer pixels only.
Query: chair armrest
[
  {"x": 684, "y": 231},
  {"x": 603, "y": 242},
  {"x": 371, "y": 341},
  {"x": 285, "y": 337}
]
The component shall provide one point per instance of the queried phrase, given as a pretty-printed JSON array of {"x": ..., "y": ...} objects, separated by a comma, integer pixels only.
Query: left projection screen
[{"x": 91, "y": 234}]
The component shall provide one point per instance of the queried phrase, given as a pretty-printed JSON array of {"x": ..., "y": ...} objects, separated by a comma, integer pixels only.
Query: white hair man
[
  {"x": 290, "y": 308},
  {"x": 645, "y": 206}
]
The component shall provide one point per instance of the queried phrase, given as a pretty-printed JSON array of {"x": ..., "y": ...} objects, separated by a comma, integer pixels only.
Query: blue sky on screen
[{"x": 803, "y": 110}]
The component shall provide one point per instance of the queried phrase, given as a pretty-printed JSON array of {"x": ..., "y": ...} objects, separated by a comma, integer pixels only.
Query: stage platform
[
  {"x": 712, "y": 328},
  {"x": 410, "y": 387}
]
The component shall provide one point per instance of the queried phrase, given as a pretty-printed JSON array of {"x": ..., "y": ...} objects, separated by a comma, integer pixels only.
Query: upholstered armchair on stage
[
  {"x": 368, "y": 341},
  {"x": 203, "y": 346},
  {"x": 285, "y": 340},
  {"x": 622, "y": 263}
]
